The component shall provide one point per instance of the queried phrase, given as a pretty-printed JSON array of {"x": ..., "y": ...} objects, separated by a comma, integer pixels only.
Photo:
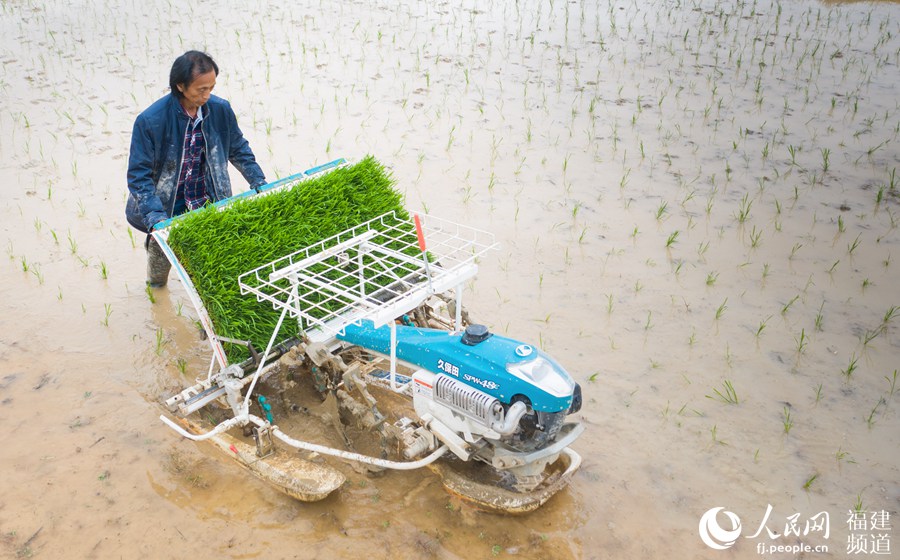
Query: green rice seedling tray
[{"x": 211, "y": 247}]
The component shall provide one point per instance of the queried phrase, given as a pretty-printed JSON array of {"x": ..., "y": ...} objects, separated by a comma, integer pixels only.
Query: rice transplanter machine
[{"x": 384, "y": 337}]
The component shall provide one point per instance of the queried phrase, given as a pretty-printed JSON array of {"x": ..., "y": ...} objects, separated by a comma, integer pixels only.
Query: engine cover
[
  {"x": 503, "y": 368},
  {"x": 463, "y": 409}
]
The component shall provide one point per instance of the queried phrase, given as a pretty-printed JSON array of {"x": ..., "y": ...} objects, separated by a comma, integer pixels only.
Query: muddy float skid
[{"x": 387, "y": 372}]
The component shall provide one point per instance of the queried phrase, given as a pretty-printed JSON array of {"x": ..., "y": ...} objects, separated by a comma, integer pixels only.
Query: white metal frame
[{"x": 373, "y": 271}]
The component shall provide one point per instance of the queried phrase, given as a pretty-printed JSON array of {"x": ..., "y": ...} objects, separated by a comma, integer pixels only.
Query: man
[{"x": 180, "y": 149}]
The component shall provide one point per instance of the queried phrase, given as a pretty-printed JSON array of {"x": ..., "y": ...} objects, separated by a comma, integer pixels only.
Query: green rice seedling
[
  {"x": 870, "y": 335},
  {"x": 24, "y": 262},
  {"x": 809, "y": 481},
  {"x": 73, "y": 246},
  {"x": 715, "y": 438},
  {"x": 624, "y": 180},
  {"x": 609, "y": 304},
  {"x": 853, "y": 246},
  {"x": 160, "y": 341},
  {"x": 826, "y": 155},
  {"x": 819, "y": 318},
  {"x": 661, "y": 210},
  {"x": 131, "y": 238},
  {"x": 721, "y": 309},
  {"x": 870, "y": 419},
  {"x": 889, "y": 316},
  {"x": 728, "y": 395},
  {"x": 181, "y": 364},
  {"x": 802, "y": 341},
  {"x": 858, "y": 506},
  {"x": 818, "y": 394},
  {"x": 107, "y": 310},
  {"x": 851, "y": 367},
  {"x": 794, "y": 249},
  {"x": 149, "y": 291},
  {"x": 755, "y": 236},
  {"x": 271, "y": 227},
  {"x": 793, "y": 151},
  {"x": 893, "y": 383},
  {"x": 762, "y": 327},
  {"x": 673, "y": 237},
  {"x": 840, "y": 455},
  {"x": 648, "y": 325},
  {"x": 787, "y": 306},
  {"x": 840, "y": 223},
  {"x": 711, "y": 278},
  {"x": 104, "y": 272},
  {"x": 787, "y": 421},
  {"x": 743, "y": 212},
  {"x": 702, "y": 248}
]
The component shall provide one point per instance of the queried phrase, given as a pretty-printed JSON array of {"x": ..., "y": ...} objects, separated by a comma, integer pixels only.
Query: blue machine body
[{"x": 499, "y": 366}]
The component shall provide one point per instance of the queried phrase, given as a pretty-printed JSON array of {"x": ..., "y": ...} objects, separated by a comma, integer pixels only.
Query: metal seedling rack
[{"x": 377, "y": 270}]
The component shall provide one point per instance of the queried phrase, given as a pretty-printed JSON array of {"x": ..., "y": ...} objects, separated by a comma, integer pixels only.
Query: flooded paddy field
[{"x": 697, "y": 208}]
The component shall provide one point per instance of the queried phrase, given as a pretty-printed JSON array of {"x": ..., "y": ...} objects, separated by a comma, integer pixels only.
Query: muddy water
[{"x": 684, "y": 196}]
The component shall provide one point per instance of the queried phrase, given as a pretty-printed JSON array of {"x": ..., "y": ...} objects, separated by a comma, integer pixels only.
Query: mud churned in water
[{"x": 697, "y": 208}]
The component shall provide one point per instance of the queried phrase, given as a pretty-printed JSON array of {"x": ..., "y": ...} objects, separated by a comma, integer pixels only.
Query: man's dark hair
[{"x": 187, "y": 67}]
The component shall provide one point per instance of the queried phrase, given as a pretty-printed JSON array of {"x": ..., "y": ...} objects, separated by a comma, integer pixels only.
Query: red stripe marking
[{"x": 419, "y": 233}]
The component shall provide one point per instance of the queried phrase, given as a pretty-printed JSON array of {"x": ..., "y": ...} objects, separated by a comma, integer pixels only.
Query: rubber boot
[{"x": 158, "y": 265}]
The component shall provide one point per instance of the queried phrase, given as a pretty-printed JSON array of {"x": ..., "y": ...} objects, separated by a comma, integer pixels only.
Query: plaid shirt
[{"x": 192, "y": 179}]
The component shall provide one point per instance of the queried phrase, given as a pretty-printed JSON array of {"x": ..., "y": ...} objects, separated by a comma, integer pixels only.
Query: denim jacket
[{"x": 154, "y": 162}]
